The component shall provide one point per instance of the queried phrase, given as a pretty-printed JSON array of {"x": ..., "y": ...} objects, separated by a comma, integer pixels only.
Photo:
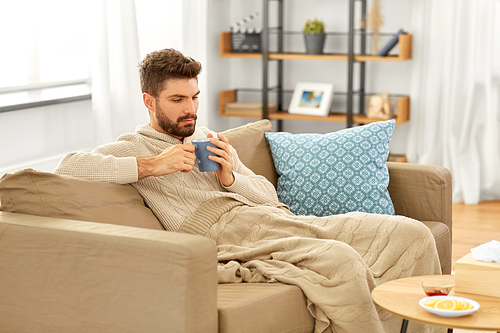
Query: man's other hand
[
  {"x": 173, "y": 159},
  {"x": 224, "y": 158}
]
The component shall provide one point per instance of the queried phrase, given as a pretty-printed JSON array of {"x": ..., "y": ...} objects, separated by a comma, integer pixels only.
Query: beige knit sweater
[{"x": 174, "y": 197}]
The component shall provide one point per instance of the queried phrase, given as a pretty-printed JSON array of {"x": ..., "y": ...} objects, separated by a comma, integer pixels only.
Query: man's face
[{"x": 174, "y": 111}]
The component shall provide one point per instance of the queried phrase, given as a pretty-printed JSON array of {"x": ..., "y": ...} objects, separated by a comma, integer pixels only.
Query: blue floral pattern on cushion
[{"x": 334, "y": 173}]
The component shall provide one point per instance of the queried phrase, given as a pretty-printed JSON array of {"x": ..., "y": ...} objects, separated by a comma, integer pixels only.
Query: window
[{"x": 44, "y": 41}]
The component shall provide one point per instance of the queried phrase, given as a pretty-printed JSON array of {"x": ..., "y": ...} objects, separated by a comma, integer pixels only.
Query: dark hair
[{"x": 160, "y": 66}]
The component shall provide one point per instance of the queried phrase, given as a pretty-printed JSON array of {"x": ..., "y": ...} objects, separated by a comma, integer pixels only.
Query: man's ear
[{"x": 149, "y": 101}]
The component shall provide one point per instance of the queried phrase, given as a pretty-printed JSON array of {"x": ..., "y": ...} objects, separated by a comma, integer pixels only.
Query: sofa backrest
[
  {"x": 253, "y": 149},
  {"x": 50, "y": 195}
]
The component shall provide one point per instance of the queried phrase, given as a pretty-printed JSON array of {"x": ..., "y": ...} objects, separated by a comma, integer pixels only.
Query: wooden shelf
[
  {"x": 225, "y": 48},
  {"x": 301, "y": 56},
  {"x": 229, "y": 96},
  {"x": 405, "y": 52}
]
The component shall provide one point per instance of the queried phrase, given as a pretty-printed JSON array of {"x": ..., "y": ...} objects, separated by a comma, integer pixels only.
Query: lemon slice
[
  {"x": 463, "y": 305},
  {"x": 431, "y": 303},
  {"x": 446, "y": 304}
]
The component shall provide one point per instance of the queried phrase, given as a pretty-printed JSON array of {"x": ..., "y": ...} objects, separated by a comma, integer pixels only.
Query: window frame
[{"x": 60, "y": 93}]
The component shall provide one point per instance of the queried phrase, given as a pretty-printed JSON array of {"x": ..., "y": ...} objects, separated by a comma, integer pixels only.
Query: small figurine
[{"x": 380, "y": 107}]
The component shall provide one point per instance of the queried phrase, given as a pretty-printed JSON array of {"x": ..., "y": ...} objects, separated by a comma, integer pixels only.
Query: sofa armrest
[
  {"x": 71, "y": 276},
  {"x": 422, "y": 192}
]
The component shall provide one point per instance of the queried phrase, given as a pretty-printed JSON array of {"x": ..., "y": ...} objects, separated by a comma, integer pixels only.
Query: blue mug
[{"x": 204, "y": 163}]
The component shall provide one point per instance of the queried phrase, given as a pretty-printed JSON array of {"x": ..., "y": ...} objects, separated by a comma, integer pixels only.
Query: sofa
[{"x": 85, "y": 256}]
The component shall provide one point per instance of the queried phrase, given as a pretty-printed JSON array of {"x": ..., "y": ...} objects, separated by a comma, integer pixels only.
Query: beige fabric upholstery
[
  {"x": 441, "y": 234},
  {"x": 263, "y": 308},
  {"x": 47, "y": 194},
  {"x": 422, "y": 192},
  {"x": 253, "y": 149},
  {"x": 70, "y": 276}
]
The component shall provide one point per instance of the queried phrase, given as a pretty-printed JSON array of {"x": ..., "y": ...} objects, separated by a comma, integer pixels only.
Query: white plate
[{"x": 450, "y": 313}]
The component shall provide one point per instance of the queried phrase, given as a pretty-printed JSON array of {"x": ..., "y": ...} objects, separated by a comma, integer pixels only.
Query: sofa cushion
[
  {"x": 334, "y": 173},
  {"x": 47, "y": 194},
  {"x": 262, "y": 307},
  {"x": 253, "y": 149}
]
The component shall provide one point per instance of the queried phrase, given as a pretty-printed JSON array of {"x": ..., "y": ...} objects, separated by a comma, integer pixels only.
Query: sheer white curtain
[
  {"x": 195, "y": 45},
  {"x": 455, "y": 93},
  {"x": 116, "y": 93},
  {"x": 126, "y": 30}
]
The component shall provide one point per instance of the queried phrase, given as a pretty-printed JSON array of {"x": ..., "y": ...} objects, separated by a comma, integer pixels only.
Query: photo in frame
[{"x": 312, "y": 99}]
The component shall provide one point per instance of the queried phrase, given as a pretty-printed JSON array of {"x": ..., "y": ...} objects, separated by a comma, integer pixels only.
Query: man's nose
[{"x": 191, "y": 107}]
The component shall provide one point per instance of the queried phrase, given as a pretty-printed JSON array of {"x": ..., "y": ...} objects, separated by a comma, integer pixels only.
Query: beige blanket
[{"x": 335, "y": 260}]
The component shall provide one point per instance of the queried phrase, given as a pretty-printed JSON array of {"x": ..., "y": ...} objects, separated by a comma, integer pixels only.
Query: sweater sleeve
[{"x": 113, "y": 163}]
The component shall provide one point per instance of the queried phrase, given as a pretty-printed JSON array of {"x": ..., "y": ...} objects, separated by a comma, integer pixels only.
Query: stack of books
[{"x": 248, "y": 108}]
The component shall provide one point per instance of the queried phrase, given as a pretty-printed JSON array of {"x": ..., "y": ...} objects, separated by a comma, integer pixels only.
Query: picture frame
[{"x": 310, "y": 98}]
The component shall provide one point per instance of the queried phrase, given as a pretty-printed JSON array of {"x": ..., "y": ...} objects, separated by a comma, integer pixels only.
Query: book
[
  {"x": 390, "y": 45},
  {"x": 248, "y": 108}
]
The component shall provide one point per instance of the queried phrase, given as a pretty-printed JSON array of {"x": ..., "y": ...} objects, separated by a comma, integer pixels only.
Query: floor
[{"x": 474, "y": 225}]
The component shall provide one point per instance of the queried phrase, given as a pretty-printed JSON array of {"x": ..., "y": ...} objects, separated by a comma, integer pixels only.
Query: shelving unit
[{"x": 279, "y": 45}]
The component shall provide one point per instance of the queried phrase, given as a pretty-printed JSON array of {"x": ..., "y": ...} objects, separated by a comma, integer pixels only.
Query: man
[
  {"x": 158, "y": 159},
  {"x": 336, "y": 260}
]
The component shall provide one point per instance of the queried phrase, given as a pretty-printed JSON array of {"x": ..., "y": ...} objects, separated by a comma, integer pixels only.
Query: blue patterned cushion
[{"x": 334, "y": 173}]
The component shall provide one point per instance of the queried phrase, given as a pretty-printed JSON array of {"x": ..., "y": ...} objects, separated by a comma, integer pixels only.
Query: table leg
[
  {"x": 404, "y": 327},
  {"x": 450, "y": 330}
]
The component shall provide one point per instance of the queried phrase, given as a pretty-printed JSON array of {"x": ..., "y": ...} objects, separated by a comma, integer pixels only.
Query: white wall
[{"x": 393, "y": 77}]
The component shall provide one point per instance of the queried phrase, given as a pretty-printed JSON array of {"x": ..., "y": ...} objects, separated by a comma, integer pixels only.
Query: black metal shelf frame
[{"x": 265, "y": 40}]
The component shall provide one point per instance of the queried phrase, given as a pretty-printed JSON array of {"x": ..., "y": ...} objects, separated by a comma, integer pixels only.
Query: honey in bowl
[
  {"x": 436, "y": 287},
  {"x": 437, "y": 291}
]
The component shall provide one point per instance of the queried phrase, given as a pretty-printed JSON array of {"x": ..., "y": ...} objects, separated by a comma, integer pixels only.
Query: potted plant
[{"x": 314, "y": 36}]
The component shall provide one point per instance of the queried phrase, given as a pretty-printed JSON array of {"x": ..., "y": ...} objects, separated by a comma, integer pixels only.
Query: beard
[{"x": 175, "y": 128}]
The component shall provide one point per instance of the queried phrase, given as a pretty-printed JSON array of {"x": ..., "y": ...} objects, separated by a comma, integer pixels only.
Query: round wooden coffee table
[{"x": 401, "y": 297}]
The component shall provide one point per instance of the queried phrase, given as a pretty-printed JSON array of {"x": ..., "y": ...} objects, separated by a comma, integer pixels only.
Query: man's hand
[
  {"x": 224, "y": 158},
  {"x": 173, "y": 159}
]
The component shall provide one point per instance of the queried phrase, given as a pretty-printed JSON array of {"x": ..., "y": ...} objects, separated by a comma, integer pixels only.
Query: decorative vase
[{"x": 314, "y": 43}]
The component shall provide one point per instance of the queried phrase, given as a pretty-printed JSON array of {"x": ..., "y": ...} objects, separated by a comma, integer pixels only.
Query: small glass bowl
[{"x": 437, "y": 287}]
